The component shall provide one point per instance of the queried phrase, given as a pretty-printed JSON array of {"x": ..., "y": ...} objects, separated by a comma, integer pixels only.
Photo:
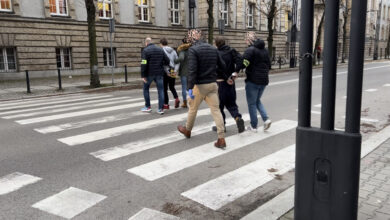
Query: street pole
[{"x": 377, "y": 29}]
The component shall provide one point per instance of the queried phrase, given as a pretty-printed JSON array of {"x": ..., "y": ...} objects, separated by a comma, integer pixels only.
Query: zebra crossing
[{"x": 213, "y": 194}]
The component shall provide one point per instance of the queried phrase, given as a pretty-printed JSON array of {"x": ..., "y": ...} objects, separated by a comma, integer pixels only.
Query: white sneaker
[
  {"x": 267, "y": 124},
  {"x": 249, "y": 128}
]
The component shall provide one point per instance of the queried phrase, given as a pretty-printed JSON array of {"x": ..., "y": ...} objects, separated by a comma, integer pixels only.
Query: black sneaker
[
  {"x": 214, "y": 128},
  {"x": 240, "y": 124}
]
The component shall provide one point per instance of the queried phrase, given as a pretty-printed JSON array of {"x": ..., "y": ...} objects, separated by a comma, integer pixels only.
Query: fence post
[
  {"x": 28, "y": 82},
  {"x": 126, "y": 74},
  {"x": 59, "y": 80}
]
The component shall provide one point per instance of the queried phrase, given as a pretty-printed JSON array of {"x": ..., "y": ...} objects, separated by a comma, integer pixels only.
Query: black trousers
[
  {"x": 227, "y": 98},
  {"x": 169, "y": 82}
]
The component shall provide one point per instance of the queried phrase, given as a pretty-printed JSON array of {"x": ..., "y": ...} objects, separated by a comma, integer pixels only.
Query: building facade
[{"x": 45, "y": 35}]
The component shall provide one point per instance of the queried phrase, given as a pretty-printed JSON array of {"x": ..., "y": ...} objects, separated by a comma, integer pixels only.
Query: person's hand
[
  {"x": 144, "y": 79},
  {"x": 234, "y": 76},
  {"x": 230, "y": 81},
  {"x": 190, "y": 94}
]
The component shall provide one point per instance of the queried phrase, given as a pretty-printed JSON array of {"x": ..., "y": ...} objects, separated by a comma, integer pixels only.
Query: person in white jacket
[{"x": 171, "y": 74}]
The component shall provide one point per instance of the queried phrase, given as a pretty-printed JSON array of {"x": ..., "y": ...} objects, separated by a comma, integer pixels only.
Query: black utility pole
[
  {"x": 328, "y": 161},
  {"x": 293, "y": 33},
  {"x": 377, "y": 29}
]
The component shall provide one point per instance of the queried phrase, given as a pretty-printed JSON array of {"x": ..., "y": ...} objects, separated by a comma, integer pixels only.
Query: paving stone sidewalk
[{"x": 374, "y": 194}]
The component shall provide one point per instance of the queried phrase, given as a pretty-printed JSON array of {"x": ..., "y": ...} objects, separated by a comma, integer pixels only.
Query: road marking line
[
  {"x": 287, "y": 200},
  {"x": 221, "y": 191},
  {"x": 386, "y": 85},
  {"x": 371, "y": 90},
  {"x": 69, "y": 203},
  {"x": 174, "y": 163},
  {"x": 43, "y": 99},
  {"x": 15, "y": 181},
  {"x": 367, "y": 120},
  {"x": 318, "y": 106},
  {"x": 81, "y": 113},
  {"x": 58, "y": 106},
  {"x": 274, "y": 208},
  {"x": 113, "y": 153},
  {"x": 117, "y": 131},
  {"x": 150, "y": 214},
  {"x": 34, "y": 104},
  {"x": 81, "y": 124},
  {"x": 111, "y": 101}
]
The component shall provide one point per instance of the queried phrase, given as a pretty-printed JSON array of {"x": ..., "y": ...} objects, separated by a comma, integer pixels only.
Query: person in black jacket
[
  {"x": 226, "y": 87},
  {"x": 203, "y": 60},
  {"x": 257, "y": 64},
  {"x": 152, "y": 69}
]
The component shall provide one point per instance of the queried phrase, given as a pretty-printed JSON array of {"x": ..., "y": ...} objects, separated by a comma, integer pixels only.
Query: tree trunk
[
  {"x": 93, "y": 58},
  {"x": 270, "y": 19},
  {"x": 318, "y": 38},
  {"x": 210, "y": 21},
  {"x": 343, "y": 56}
]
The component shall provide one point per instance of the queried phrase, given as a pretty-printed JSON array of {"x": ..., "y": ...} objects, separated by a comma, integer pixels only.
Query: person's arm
[
  {"x": 177, "y": 65},
  {"x": 144, "y": 64},
  {"x": 166, "y": 62},
  {"x": 268, "y": 60},
  {"x": 181, "y": 57},
  {"x": 192, "y": 68},
  {"x": 221, "y": 66},
  {"x": 238, "y": 60},
  {"x": 247, "y": 58}
]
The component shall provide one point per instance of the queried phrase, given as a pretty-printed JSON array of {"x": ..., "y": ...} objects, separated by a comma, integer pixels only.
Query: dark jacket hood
[
  {"x": 224, "y": 48},
  {"x": 259, "y": 44}
]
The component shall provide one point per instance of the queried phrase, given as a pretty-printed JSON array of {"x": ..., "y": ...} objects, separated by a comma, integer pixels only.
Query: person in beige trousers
[{"x": 203, "y": 60}]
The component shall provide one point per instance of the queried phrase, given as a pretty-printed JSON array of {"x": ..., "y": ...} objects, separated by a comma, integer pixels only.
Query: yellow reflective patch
[
  {"x": 246, "y": 62},
  {"x": 144, "y": 62}
]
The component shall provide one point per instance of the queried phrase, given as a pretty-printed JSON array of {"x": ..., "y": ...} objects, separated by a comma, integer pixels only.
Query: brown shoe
[
  {"x": 184, "y": 105},
  {"x": 184, "y": 131},
  {"x": 177, "y": 102},
  {"x": 220, "y": 143}
]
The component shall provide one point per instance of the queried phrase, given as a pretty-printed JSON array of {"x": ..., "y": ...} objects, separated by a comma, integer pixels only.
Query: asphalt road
[{"x": 96, "y": 156}]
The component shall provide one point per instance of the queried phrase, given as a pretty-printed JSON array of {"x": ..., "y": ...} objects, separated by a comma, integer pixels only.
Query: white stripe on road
[
  {"x": 150, "y": 214},
  {"x": 138, "y": 146},
  {"x": 81, "y": 124},
  {"x": 69, "y": 203},
  {"x": 371, "y": 90},
  {"x": 43, "y": 99},
  {"x": 92, "y": 104},
  {"x": 81, "y": 113},
  {"x": 287, "y": 200},
  {"x": 117, "y": 131},
  {"x": 318, "y": 106},
  {"x": 274, "y": 208},
  {"x": 386, "y": 85},
  {"x": 15, "y": 181},
  {"x": 34, "y": 104},
  {"x": 54, "y": 106},
  {"x": 174, "y": 163},
  {"x": 370, "y": 120},
  {"x": 233, "y": 185}
]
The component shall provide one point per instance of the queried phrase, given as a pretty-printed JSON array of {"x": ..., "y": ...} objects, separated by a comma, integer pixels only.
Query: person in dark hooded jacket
[
  {"x": 257, "y": 64},
  {"x": 226, "y": 87}
]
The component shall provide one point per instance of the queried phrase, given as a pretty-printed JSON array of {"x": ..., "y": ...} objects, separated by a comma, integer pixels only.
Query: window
[
  {"x": 5, "y": 5},
  {"x": 143, "y": 10},
  {"x": 64, "y": 58},
  {"x": 225, "y": 11},
  {"x": 250, "y": 15},
  {"x": 175, "y": 11},
  {"x": 109, "y": 60},
  {"x": 58, "y": 7},
  {"x": 7, "y": 59},
  {"x": 105, "y": 8}
]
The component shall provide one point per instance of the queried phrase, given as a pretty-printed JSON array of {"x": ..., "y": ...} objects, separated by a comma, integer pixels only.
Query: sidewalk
[{"x": 374, "y": 194}]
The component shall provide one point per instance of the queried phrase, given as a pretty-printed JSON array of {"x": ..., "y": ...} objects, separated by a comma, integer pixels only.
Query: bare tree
[
  {"x": 318, "y": 37},
  {"x": 93, "y": 58},
  {"x": 270, "y": 8},
  {"x": 210, "y": 21},
  {"x": 346, "y": 9}
]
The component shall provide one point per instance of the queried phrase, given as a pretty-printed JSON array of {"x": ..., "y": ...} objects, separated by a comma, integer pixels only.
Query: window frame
[
  {"x": 57, "y": 13},
  {"x": 3, "y": 51},
  {"x": 224, "y": 10},
  {"x": 104, "y": 2},
  {"x": 173, "y": 10},
  {"x": 6, "y": 10},
  {"x": 141, "y": 13},
  {"x": 250, "y": 15},
  {"x": 106, "y": 53},
  {"x": 62, "y": 58}
]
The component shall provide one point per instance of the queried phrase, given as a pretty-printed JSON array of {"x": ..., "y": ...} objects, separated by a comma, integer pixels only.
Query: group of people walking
[{"x": 207, "y": 73}]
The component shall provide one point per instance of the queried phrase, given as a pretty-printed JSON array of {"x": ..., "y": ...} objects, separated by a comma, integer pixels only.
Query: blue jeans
[
  {"x": 253, "y": 95},
  {"x": 160, "y": 88},
  {"x": 183, "y": 80}
]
